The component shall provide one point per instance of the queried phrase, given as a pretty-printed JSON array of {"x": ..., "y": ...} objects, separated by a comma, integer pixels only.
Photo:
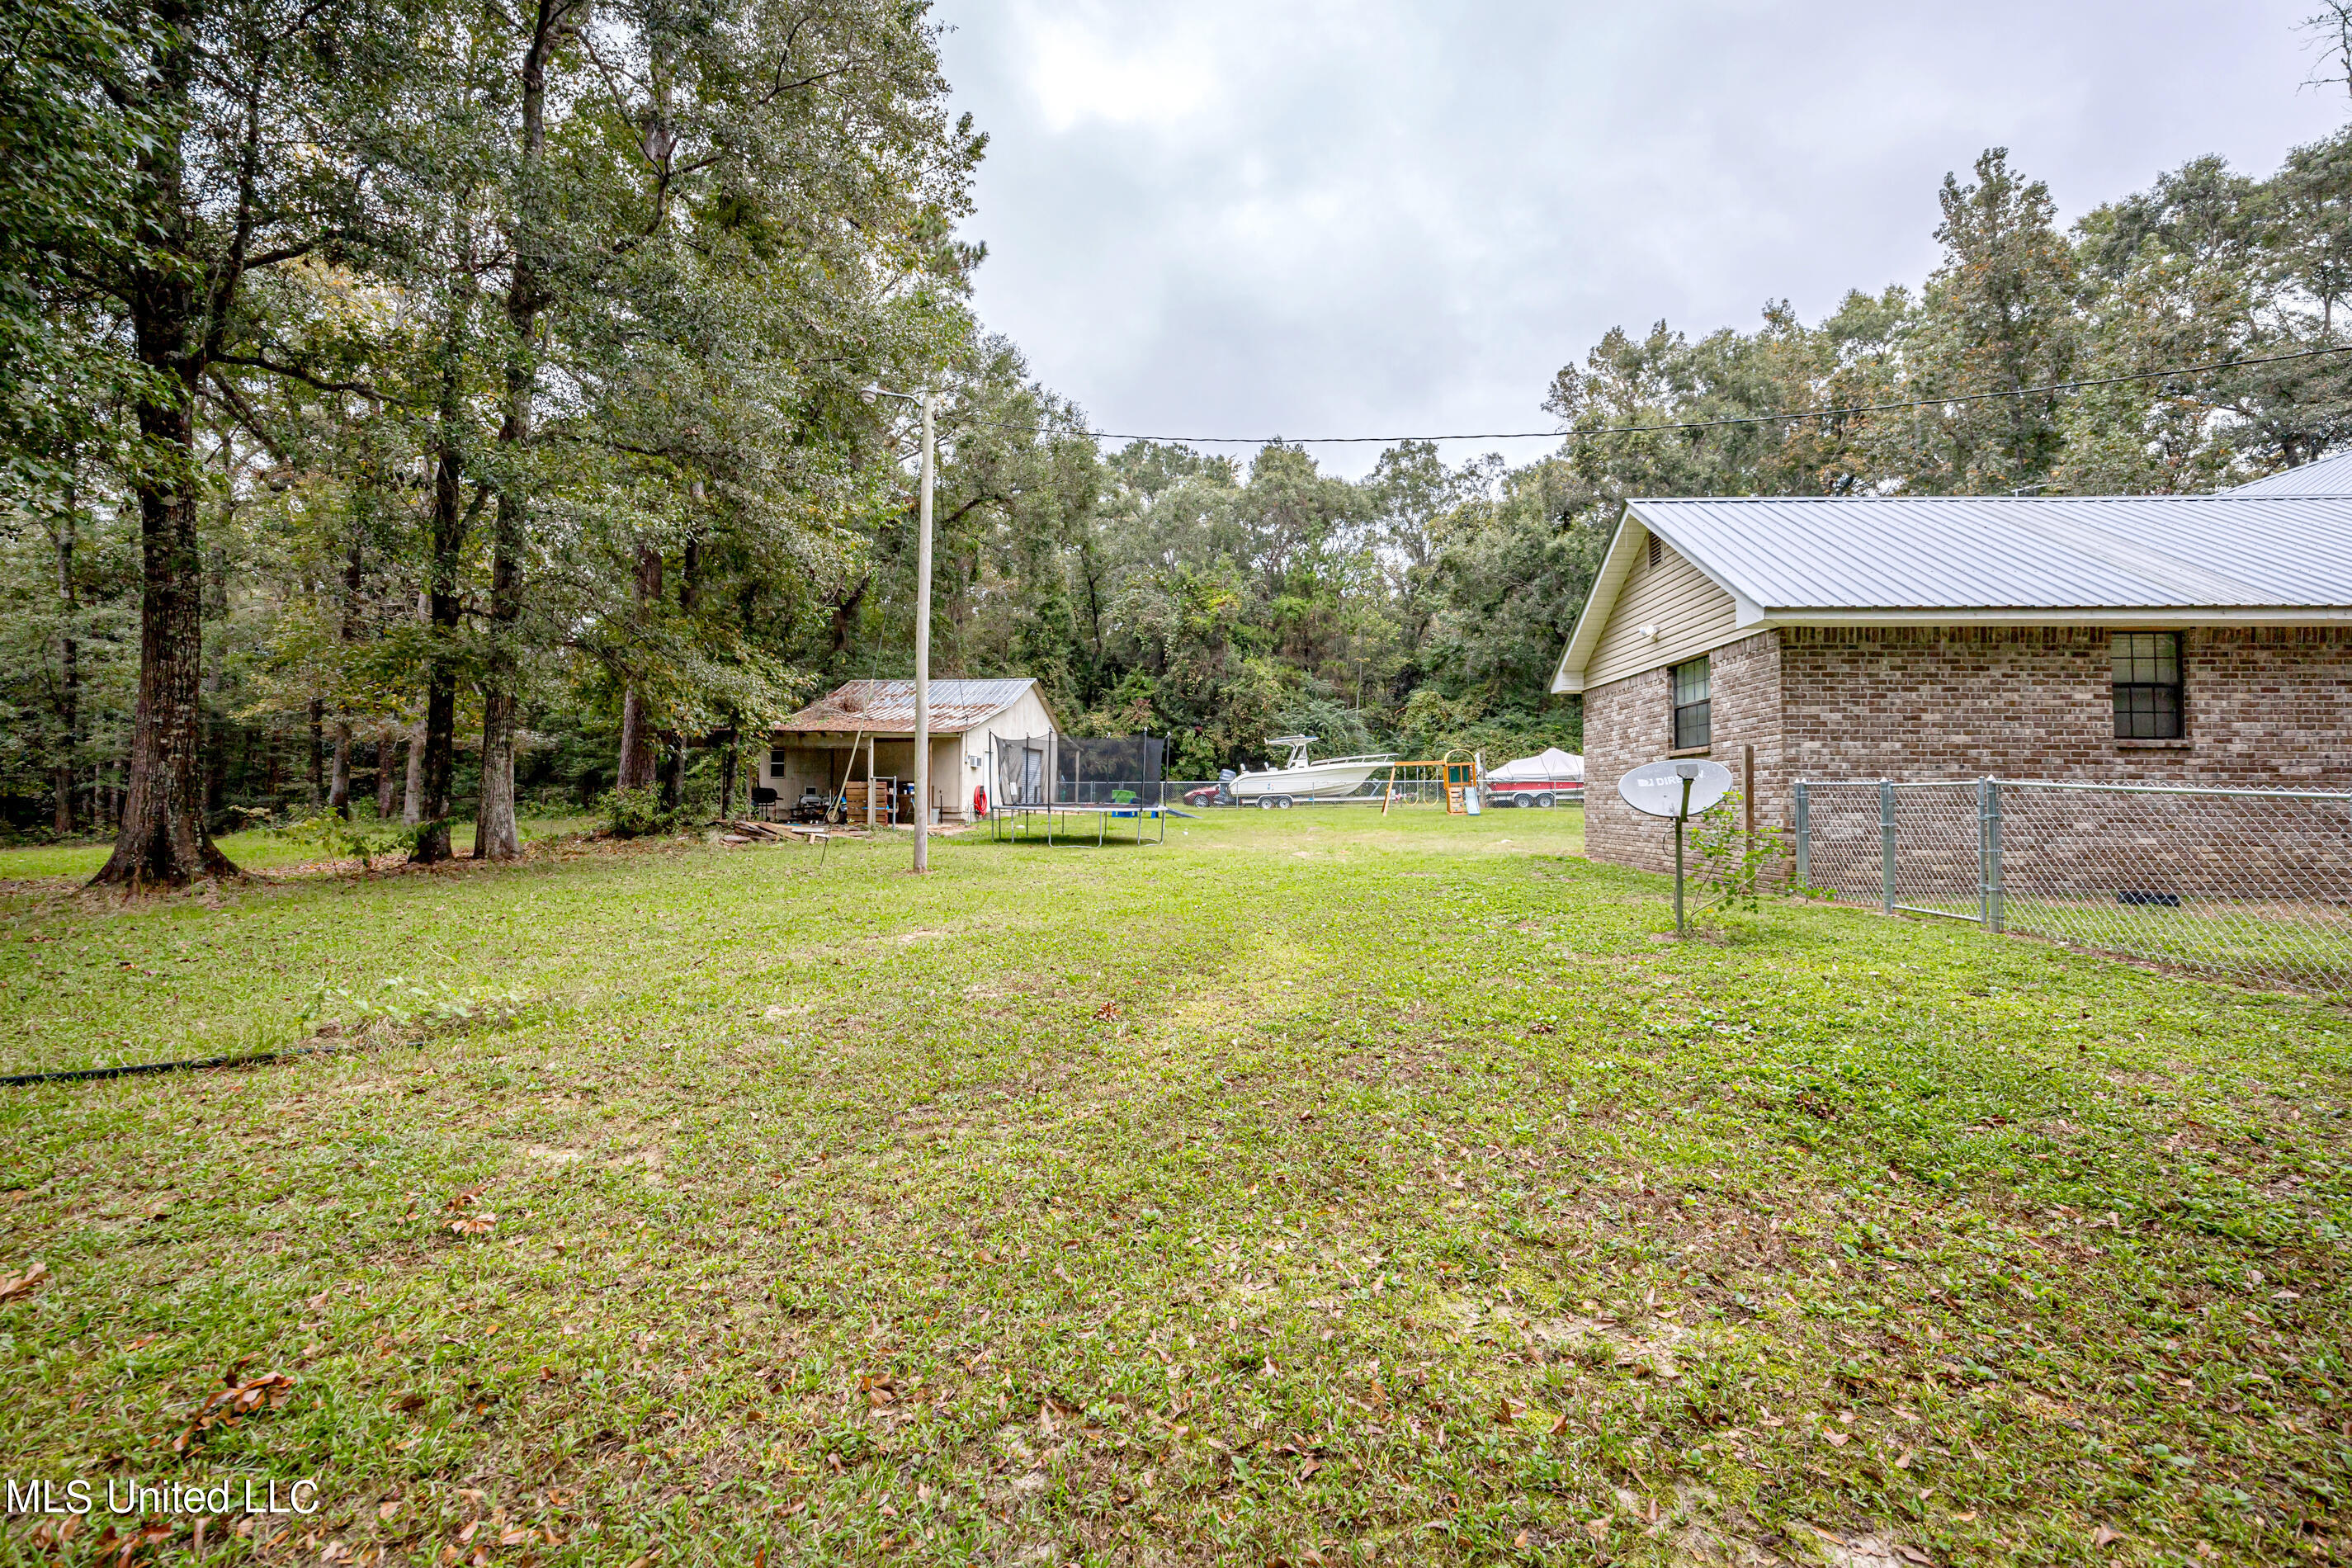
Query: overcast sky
[{"x": 1375, "y": 218}]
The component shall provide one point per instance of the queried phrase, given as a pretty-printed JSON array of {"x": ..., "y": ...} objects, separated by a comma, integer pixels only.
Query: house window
[
  {"x": 1691, "y": 704},
  {"x": 2147, "y": 686},
  {"x": 776, "y": 762}
]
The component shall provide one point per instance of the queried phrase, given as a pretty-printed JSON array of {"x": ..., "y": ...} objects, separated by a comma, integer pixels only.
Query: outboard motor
[{"x": 1225, "y": 777}]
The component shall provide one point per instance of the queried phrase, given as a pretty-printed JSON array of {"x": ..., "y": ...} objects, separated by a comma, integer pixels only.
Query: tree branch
[{"x": 296, "y": 372}]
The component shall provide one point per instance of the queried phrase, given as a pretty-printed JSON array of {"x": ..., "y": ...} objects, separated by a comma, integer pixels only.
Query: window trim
[
  {"x": 1704, "y": 705},
  {"x": 2177, "y": 686}
]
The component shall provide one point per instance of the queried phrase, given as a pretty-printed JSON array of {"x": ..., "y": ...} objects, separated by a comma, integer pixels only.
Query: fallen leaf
[
  {"x": 1559, "y": 1423},
  {"x": 1904, "y": 1461},
  {"x": 1913, "y": 1554},
  {"x": 473, "y": 1224},
  {"x": 1835, "y": 1440},
  {"x": 16, "y": 1285},
  {"x": 1597, "y": 1527},
  {"x": 1503, "y": 1411},
  {"x": 269, "y": 1391},
  {"x": 1521, "y": 1541},
  {"x": 467, "y": 1534},
  {"x": 2105, "y": 1537},
  {"x": 1108, "y": 1010},
  {"x": 515, "y": 1535},
  {"x": 387, "y": 1509}
]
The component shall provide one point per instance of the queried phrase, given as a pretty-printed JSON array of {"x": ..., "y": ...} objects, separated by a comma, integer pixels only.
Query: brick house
[{"x": 2189, "y": 639}]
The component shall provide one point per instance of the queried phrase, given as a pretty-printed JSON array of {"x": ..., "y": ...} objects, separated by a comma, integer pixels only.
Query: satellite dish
[{"x": 1655, "y": 789}]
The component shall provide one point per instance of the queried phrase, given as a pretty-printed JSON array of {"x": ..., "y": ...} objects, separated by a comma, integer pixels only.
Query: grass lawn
[
  {"x": 1312, "y": 1188},
  {"x": 259, "y": 851}
]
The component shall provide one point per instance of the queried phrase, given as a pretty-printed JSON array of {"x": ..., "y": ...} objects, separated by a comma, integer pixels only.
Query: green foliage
[
  {"x": 361, "y": 838},
  {"x": 639, "y": 814},
  {"x": 1735, "y": 869}
]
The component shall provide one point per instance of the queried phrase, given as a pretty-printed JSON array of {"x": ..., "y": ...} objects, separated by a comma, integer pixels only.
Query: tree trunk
[
  {"x": 637, "y": 762},
  {"x": 347, "y": 629},
  {"x": 387, "y": 750},
  {"x": 440, "y": 738},
  {"x": 412, "y": 784},
  {"x": 318, "y": 752},
  {"x": 495, "y": 835},
  {"x": 339, "y": 788},
  {"x": 68, "y": 668},
  {"x": 162, "y": 841},
  {"x": 729, "y": 761}
]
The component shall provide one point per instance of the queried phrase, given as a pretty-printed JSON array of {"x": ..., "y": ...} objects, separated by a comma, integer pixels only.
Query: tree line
[{"x": 427, "y": 409}]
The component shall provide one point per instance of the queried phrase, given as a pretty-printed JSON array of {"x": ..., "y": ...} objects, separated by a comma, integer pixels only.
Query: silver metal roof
[
  {"x": 1999, "y": 552},
  {"x": 887, "y": 707},
  {"x": 2330, "y": 476},
  {"x": 2275, "y": 559}
]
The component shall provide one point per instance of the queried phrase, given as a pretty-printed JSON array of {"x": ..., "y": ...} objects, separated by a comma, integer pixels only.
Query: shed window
[
  {"x": 2147, "y": 686},
  {"x": 1691, "y": 704}
]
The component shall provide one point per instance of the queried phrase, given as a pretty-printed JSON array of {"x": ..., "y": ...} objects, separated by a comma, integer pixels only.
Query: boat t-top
[{"x": 1299, "y": 779}]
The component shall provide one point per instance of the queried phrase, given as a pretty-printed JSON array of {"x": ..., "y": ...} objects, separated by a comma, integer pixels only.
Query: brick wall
[
  {"x": 1631, "y": 722},
  {"x": 2265, "y": 708}
]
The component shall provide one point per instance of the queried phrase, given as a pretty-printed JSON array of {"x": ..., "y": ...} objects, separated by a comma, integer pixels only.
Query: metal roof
[
  {"x": 1995, "y": 560},
  {"x": 2330, "y": 476},
  {"x": 887, "y": 707}
]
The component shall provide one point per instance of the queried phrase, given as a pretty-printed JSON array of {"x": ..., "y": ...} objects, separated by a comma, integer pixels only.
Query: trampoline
[
  {"x": 1057, "y": 786},
  {"x": 1013, "y": 824}
]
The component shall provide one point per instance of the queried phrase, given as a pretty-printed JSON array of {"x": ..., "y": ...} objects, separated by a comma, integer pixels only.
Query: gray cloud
[{"x": 1226, "y": 218}]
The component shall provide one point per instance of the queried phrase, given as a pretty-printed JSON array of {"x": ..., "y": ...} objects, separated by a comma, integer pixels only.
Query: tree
[{"x": 218, "y": 90}]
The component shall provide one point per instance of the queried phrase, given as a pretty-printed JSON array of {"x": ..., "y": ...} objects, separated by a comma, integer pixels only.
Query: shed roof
[
  {"x": 1995, "y": 560},
  {"x": 2329, "y": 475},
  {"x": 887, "y": 707}
]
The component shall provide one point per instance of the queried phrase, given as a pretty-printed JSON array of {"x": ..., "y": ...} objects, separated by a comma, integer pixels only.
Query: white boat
[{"x": 1333, "y": 778}]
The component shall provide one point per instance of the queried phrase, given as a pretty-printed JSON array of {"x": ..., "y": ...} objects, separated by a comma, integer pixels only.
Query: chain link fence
[{"x": 2242, "y": 884}]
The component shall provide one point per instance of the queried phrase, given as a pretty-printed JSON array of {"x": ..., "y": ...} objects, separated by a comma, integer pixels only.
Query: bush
[
  {"x": 354, "y": 839},
  {"x": 639, "y": 814}
]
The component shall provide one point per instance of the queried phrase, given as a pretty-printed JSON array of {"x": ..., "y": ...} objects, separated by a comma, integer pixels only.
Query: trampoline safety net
[
  {"x": 1022, "y": 770},
  {"x": 1120, "y": 770}
]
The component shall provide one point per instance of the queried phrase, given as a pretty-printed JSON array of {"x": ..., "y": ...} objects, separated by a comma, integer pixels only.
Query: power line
[{"x": 1683, "y": 425}]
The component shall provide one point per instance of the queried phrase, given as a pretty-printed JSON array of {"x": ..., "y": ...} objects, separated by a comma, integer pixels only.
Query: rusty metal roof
[{"x": 887, "y": 707}]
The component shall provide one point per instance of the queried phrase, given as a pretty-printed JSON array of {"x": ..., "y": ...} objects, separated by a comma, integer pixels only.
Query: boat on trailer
[{"x": 1333, "y": 778}]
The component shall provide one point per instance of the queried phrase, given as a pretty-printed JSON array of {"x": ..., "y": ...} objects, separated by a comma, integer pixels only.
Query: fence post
[
  {"x": 1804, "y": 837},
  {"x": 1989, "y": 853},
  {"x": 1886, "y": 847}
]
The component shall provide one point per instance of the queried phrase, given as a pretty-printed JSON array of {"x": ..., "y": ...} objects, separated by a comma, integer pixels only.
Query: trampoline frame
[{"x": 1006, "y": 823}]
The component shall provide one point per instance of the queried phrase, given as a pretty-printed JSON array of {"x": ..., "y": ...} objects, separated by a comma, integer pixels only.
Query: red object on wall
[{"x": 980, "y": 801}]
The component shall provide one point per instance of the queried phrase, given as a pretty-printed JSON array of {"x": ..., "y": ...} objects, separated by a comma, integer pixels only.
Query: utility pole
[
  {"x": 922, "y": 635},
  {"x": 923, "y": 656}
]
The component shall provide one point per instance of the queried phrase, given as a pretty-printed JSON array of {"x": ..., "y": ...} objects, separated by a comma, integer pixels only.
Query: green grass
[
  {"x": 259, "y": 851},
  {"x": 1212, "y": 1202}
]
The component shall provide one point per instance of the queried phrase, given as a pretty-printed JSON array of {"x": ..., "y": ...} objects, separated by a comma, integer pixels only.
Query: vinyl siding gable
[{"x": 1690, "y": 614}]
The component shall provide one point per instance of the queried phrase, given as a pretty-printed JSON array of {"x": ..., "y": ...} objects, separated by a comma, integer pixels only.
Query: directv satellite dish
[{"x": 1657, "y": 789}]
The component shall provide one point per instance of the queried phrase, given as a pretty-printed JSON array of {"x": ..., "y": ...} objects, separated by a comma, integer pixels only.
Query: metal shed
[{"x": 865, "y": 729}]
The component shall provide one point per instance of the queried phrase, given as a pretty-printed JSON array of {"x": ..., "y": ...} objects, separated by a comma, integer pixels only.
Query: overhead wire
[{"x": 1666, "y": 428}]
